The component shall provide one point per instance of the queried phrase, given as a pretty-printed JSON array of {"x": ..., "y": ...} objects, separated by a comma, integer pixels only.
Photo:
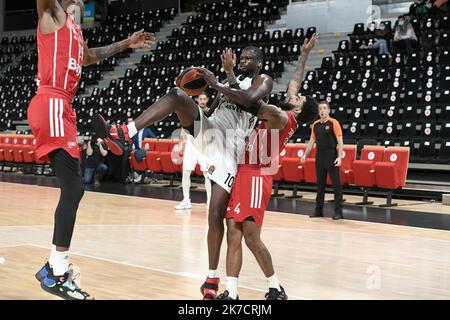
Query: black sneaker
[
  {"x": 274, "y": 294},
  {"x": 41, "y": 274},
  {"x": 210, "y": 288},
  {"x": 316, "y": 215},
  {"x": 338, "y": 216},
  {"x": 226, "y": 296},
  {"x": 100, "y": 127},
  {"x": 64, "y": 287}
]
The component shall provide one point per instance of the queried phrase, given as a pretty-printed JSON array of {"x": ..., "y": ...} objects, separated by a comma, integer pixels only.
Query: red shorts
[
  {"x": 250, "y": 195},
  {"x": 53, "y": 122}
]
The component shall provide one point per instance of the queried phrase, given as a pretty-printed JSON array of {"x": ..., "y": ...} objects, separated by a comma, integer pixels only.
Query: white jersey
[{"x": 223, "y": 138}]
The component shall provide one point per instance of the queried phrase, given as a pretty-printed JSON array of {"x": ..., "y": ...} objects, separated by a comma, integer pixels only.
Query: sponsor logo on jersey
[{"x": 71, "y": 144}]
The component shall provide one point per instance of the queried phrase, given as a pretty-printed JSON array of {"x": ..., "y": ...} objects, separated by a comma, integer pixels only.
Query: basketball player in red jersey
[
  {"x": 246, "y": 209},
  {"x": 61, "y": 54}
]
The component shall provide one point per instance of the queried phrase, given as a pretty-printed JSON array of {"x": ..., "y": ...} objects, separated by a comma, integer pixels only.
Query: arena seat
[
  {"x": 137, "y": 166},
  {"x": 363, "y": 169},
  {"x": 153, "y": 158},
  {"x": 391, "y": 172},
  {"x": 310, "y": 167},
  {"x": 170, "y": 161},
  {"x": 292, "y": 168},
  {"x": 346, "y": 169}
]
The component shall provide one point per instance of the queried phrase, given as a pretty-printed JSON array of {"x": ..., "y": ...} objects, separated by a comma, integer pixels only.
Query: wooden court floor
[{"x": 138, "y": 248}]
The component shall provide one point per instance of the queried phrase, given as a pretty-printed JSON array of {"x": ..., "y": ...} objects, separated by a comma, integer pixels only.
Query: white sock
[
  {"x": 51, "y": 260},
  {"x": 273, "y": 282},
  {"x": 186, "y": 183},
  {"x": 232, "y": 287},
  {"x": 132, "y": 129},
  {"x": 207, "y": 187},
  {"x": 212, "y": 274},
  {"x": 60, "y": 262}
]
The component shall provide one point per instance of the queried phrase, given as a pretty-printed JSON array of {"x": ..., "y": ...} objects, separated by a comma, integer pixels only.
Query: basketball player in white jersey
[
  {"x": 191, "y": 156},
  {"x": 220, "y": 136}
]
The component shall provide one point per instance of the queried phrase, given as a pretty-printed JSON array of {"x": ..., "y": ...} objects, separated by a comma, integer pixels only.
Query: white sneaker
[{"x": 185, "y": 204}]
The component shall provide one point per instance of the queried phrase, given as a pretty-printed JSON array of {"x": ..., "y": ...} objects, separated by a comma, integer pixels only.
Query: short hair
[
  {"x": 325, "y": 102},
  {"x": 257, "y": 51},
  {"x": 204, "y": 94},
  {"x": 310, "y": 111}
]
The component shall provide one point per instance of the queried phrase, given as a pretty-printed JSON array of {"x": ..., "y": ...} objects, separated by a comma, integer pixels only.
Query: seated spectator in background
[
  {"x": 142, "y": 134},
  {"x": 404, "y": 36},
  {"x": 379, "y": 37},
  {"x": 95, "y": 161},
  {"x": 140, "y": 148}
]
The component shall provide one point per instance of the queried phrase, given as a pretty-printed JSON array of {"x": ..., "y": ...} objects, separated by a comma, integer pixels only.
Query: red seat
[
  {"x": 153, "y": 158},
  {"x": 198, "y": 170},
  {"x": 363, "y": 169},
  {"x": 346, "y": 169},
  {"x": 292, "y": 168},
  {"x": 151, "y": 143},
  {"x": 8, "y": 149},
  {"x": 28, "y": 149},
  {"x": 17, "y": 149},
  {"x": 137, "y": 166},
  {"x": 310, "y": 167},
  {"x": 2, "y": 148},
  {"x": 391, "y": 173},
  {"x": 284, "y": 153},
  {"x": 170, "y": 161}
]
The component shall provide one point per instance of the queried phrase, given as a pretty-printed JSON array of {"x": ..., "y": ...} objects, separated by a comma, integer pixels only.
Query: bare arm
[
  {"x": 89, "y": 150},
  {"x": 139, "y": 39},
  {"x": 296, "y": 81},
  {"x": 261, "y": 88},
  {"x": 340, "y": 147},
  {"x": 103, "y": 152},
  {"x": 274, "y": 117},
  {"x": 46, "y": 6},
  {"x": 309, "y": 147},
  {"x": 214, "y": 105}
]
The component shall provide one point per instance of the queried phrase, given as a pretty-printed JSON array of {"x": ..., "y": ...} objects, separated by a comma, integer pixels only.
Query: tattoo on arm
[
  {"x": 296, "y": 81},
  {"x": 232, "y": 80},
  {"x": 102, "y": 53},
  {"x": 213, "y": 106}
]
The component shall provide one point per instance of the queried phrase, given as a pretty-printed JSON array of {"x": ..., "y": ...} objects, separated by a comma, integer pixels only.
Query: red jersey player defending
[
  {"x": 246, "y": 209},
  {"x": 61, "y": 54}
]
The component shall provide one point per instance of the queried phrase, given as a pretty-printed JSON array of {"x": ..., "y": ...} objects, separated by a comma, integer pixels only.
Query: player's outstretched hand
[
  {"x": 228, "y": 58},
  {"x": 209, "y": 77},
  {"x": 141, "y": 39},
  {"x": 309, "y": 44}
]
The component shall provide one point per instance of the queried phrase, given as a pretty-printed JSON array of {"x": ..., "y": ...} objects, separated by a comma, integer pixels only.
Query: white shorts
[
  {"x": 191, "y": 156},
  {"x": 209, "y": 140}
]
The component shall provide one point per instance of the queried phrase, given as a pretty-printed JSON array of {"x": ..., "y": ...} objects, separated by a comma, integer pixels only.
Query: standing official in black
[{"x": 327, "y": 134}]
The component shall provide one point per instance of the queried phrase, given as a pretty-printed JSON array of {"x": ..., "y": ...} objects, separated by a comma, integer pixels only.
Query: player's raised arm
[
  {"x": 46, "y": 6},
  {"x": 296, "y": 81},
  {"x": 139, "y": 39},
  {"x": 261, "y": 88}
]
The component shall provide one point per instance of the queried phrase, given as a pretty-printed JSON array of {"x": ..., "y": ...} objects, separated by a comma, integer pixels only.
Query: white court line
[
  {"x": 179, "y": 274},
  {"x": 281, "y": 229},
  {"x": 13, "y": 246}
]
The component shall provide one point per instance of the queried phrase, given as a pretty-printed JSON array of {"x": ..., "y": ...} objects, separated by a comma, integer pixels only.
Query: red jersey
[
  {"x": 259, "y": 151},
  {"x": 60, "y": 57}
]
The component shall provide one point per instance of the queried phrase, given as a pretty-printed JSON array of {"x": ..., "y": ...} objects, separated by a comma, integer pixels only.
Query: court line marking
[
  {"x": 179, "y": 274},
  {"x": 423, "y": 237},
  {"x": 296, "y": 214}
]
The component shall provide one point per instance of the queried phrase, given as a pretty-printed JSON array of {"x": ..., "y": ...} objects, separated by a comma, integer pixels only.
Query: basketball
[{"x": 191, "y": 82}]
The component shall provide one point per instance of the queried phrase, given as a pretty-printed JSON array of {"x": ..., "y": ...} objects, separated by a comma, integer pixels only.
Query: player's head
[
  {"x": 130, "y": 120},
  {"x": 202, "y": 100},
  {"x": 324, "y": 109},
  {"x": 75, "y": 8},
  {"x": 305, "y": 108},
  {"x": 251, "y": 60}
]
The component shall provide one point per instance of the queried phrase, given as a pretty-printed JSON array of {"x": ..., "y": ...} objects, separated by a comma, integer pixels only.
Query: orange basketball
[{"x": 191, "y": 82}]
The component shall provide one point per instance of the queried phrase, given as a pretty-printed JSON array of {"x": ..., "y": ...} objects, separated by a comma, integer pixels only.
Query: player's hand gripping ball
[{"x": 191, "y": 81}]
